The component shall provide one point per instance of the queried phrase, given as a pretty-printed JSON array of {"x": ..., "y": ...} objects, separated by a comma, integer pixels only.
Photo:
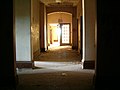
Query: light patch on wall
[{"x": 83, "y": 9}]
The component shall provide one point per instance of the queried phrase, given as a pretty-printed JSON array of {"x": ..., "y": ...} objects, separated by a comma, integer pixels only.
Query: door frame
[{"x": 62, "y": 44}]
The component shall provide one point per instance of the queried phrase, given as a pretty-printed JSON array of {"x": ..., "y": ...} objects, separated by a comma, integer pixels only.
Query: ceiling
[{"x": 60, "y": 2}]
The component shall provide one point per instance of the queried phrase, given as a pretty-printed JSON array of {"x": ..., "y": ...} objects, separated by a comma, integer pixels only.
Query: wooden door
[{"x": 65, "y": 34}]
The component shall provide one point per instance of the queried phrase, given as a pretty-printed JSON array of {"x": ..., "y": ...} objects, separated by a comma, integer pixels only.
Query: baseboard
[
  {"x": 75, "y": 47},
  {"x": 88, "y": 64},
  {"x": 42, "y": 49},
  {"x": 24, "y": 64}
]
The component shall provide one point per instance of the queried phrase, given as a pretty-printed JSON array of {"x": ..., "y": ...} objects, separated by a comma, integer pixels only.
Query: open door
[{"x": 65, "y": 34}]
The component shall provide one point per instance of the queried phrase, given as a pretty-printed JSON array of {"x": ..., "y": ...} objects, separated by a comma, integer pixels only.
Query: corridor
[
  {"x": 59, "y": 54},
  {"x": 59, "y": 68}
]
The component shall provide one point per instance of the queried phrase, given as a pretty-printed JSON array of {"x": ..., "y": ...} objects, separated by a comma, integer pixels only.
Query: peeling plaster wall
[
  {"x": 35, "y": 26},
  {"x": 79, "y": 14},
  {"x": 66, "y": 17}
]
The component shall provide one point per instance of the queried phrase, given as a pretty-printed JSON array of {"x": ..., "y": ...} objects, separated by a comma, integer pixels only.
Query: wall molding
[
  {"x": 42, "y": 49},
  {"x": 88, "y": 64},
  {"x": 24, "y": 64}
]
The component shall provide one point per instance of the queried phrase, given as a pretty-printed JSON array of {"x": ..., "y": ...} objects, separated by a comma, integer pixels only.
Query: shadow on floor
[{"x": 57, "y": 69}]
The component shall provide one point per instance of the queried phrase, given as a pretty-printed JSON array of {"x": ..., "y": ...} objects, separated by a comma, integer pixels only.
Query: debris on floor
[{"x": 64, "y": 74}]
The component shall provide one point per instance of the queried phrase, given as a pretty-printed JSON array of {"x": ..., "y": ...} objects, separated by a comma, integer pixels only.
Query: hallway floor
[
  {"x": 59, "y": 54},
  {"x": 57, "y": 69}
]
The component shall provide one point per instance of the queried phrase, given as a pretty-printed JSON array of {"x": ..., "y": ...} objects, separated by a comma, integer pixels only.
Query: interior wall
[
  {"x": 66, "y": 17},
  {"x": 79, "y": 39},
  {"x": 79, "y": 9},
  {"x": 45, "y": 28},
  {"x": 89, "y": 26},
  {"x": 90, "y": 16},
  {"x": 22, "y": 28},
  {"x": 53, "y": 29},
  {"x": 79, "y": 14},
  {"x": 35, "y": 26},
  {"x": 42, "y": 27},
  {"x": 74, "y": 29}
]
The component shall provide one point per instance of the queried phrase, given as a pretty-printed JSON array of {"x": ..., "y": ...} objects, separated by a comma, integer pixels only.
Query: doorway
[
  {"x": 59, "y": 34},
  {"x": 59, "y": 29},
  {"x": 54, "y": 32}
]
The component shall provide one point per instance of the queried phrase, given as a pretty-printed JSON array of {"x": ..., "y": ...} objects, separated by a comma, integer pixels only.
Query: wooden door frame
[{"x": 61, "y": 44}]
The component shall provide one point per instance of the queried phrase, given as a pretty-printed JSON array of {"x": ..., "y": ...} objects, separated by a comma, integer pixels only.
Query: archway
[{"x": 59, "y": 28}]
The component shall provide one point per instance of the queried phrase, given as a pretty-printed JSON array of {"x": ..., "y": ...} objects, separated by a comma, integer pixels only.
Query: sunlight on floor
[
  {"x": 56, "y": 59},
  {"x": 49, "y": 67},
  {"x": 69, "y": 66},
  {"x": 55, "y": 44}
]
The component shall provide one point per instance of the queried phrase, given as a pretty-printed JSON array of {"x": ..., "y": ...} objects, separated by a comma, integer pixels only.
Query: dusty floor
[
  {"x": 57, "y": 69},
  {"x": 59, "y": 54}
]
